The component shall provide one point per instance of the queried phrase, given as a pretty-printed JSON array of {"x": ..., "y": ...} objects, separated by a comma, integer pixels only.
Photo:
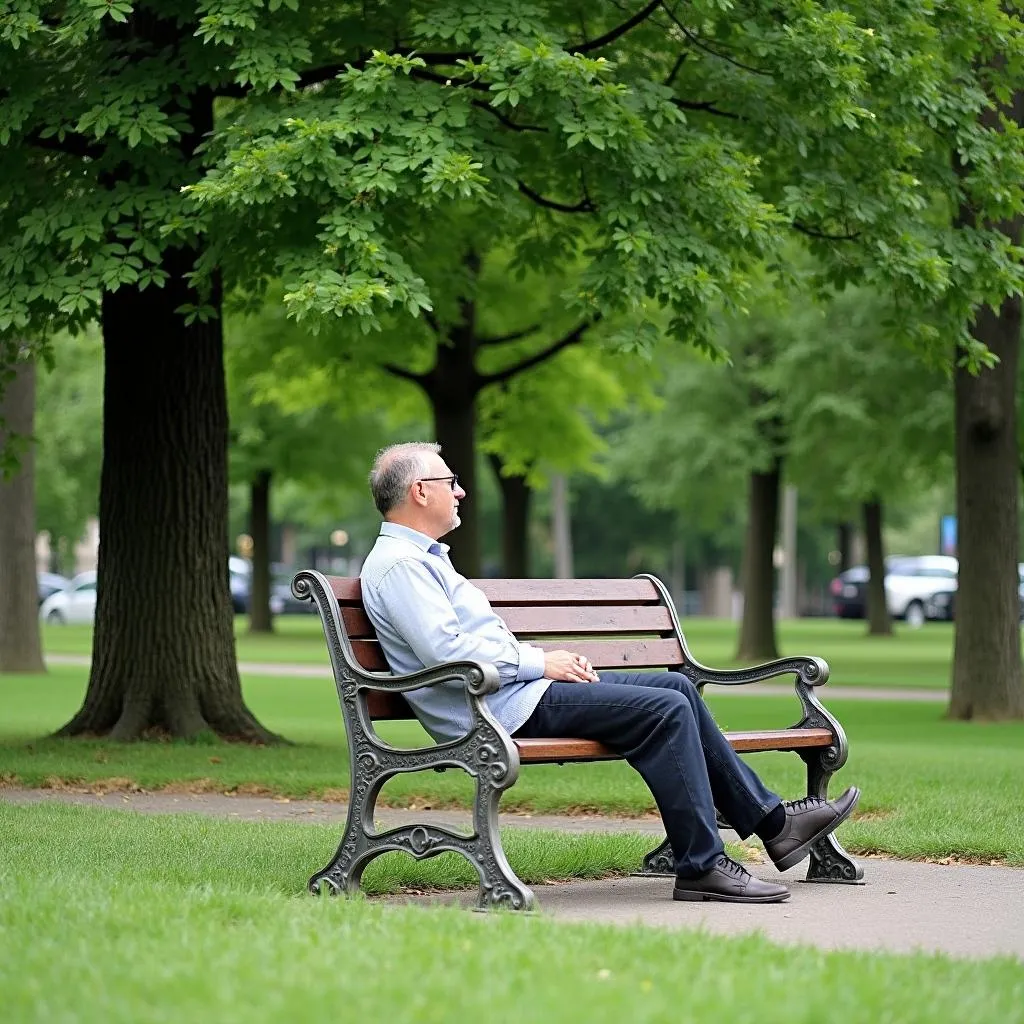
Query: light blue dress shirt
[{"x": 426, "y": 613}]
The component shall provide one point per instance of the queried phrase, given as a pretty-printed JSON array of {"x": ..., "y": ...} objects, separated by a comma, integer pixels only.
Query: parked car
[
  {"x": 912, "y": 583},
  {"x": 912, "y": 586},
  {"x": 240, "y": 582},
  {"x": 49, "y": 583},
  {"x": 75, "y": 602},
  {"x": 943, "y": 604},
  {"x": 849, "y": 592}
]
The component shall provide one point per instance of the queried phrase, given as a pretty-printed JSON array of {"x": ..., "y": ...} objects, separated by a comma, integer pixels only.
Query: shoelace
[
  {"x": 803, "y": 803},
  {"x": 726, "y": 863}
]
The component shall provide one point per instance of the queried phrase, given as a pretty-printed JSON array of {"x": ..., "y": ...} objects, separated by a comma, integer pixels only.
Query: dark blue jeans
[{"x": 658, "y": 722}]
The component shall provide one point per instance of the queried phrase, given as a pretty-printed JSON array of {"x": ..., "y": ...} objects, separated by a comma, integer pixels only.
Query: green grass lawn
[
  {"x": 111, "y": 917},
  {"x": 931, "y": 788},
  {"x": 909, "y": 658}
]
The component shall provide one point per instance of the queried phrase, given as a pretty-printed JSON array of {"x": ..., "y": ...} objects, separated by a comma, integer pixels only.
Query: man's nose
[{"x": 459, "y": 491}]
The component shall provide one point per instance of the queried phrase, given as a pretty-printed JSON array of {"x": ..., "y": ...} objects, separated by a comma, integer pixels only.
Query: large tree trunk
[
  {"x": 844, "y": 545},
  {"x": 987, "y": 681},
  {"x": 452, "y": 387},
  {"x": 879, "y": 622},
  {"x": 260, "y": 617},
  {"x": 163, "y": 650},
  {"x": 757, "y": 630},
  {"x": 20, "y": 650},
  {"x": 515, "y": 522}
]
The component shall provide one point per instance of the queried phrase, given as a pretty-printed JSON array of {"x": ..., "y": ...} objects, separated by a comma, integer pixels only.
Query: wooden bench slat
[
  {"x": 623, "y": 654},
  {"x": 611, "y": 654},
  {"x": 527, "y": 621},
  {"x": 536, "y": 592},
  {"x": 533, "y": 751},
  {"x": 583, "y": 592}
]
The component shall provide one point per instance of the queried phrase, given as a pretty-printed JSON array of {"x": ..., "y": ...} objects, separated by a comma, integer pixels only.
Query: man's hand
[{"x": 568, "y": 668}]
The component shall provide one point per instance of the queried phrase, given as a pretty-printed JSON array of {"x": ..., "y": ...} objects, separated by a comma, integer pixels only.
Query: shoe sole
[
  {"x": 797, "y": 855},
  {"x": 695, "y": 896}
]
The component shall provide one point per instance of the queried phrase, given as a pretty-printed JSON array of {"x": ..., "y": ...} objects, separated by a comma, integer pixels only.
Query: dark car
[
  {"x": 849, "y": 592},
  {"x": 49, "y": 583},
  {"x": 942, "y": 605}
]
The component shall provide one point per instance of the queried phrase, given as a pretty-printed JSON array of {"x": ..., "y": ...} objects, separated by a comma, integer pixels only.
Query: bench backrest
[{"x": 617, "y": 624}]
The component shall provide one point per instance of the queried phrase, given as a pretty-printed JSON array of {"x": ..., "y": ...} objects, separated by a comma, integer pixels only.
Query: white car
[
  {"x": 912, "y": 583},
  {"x": 75, "y": 603}
]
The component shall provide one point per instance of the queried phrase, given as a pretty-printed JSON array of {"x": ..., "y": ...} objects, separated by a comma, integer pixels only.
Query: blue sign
[{"x": 947, "y": 535}]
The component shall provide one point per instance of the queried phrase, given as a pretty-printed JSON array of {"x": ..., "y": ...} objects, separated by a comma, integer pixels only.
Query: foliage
[
  {"x": 914, "y": 767},
  {"x": 691, "y": 140},
  {"x": 301, "y": 421},
  {"x": 69, "y": 438},
  {"x": 867, "y": 419}
]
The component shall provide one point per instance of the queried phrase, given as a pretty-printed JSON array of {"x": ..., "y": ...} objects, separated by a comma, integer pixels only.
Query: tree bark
[
  {"x": 757, "y": 630},
  {"x": 452, "y": 387},
  {"x": 515, "y": 522},
  {"x": 987, "y": 678},
  {"x": 844, "y": 545},
  {"x": 987, "y": 681},
  {"x": 163, "y": 650},
  {"x": 20, "y": 648},
  {"x": 261, "y": 619},
  {"x": 879, "y": 621}
]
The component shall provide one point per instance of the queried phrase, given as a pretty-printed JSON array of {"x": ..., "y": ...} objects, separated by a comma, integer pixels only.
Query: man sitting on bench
[{"x": 426, "y": 614}]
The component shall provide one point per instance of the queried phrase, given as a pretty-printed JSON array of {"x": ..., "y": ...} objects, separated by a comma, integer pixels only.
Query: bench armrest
[
  {"x": 809, "y": 670},
  {"x": 480, "y": 678}
]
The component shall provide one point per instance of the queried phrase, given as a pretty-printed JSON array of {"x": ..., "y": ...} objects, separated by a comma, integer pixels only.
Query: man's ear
[{"x": 417, "y": 494}]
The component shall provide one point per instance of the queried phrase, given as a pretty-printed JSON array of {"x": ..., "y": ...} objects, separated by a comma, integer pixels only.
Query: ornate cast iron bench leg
[
  {"x": 360, "y": 844},
  {"x": 659, "y": 862},
  {"x": 829, "y": 862}
]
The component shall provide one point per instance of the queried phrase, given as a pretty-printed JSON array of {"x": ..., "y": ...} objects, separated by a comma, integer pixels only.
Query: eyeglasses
[{"x": 453, "y": 479}]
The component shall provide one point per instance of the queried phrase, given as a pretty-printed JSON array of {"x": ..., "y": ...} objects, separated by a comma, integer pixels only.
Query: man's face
[{"x": 443, "y": 494}]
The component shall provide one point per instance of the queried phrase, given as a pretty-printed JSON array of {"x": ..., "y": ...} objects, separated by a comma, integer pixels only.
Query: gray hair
[{"x": 395, "y": 469}]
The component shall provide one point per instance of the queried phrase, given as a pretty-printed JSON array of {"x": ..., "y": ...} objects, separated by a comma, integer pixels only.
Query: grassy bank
[
  {"x": 116, "y": 918},
  {"x": 931, "y": 788}
]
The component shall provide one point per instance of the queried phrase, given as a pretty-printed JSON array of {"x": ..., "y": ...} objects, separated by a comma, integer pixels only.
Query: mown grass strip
[
  {"x": 115, "y": 917},
  {"x": 931, "y": 788}
]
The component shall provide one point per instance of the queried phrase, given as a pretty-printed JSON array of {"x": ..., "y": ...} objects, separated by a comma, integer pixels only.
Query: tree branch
[
  {"x": 316, "y": 76},
  {"x": 398, "y": 371},
  {"x": 707, "y": 107},
  {"x": 500, "y": 339},
  {"x": 507, "y": 121},
  {"x": 621, "y": 30},
  {"x": 806, "y": 229},
  {"x": 569, "y": 339},
  {"x": 675, "y": 67},
  {"x": 72, "y": 145},
  {"x": 465, "y": 83},
  {"x": 583, "y": 206},
  {"x": 701, "y": 45}
]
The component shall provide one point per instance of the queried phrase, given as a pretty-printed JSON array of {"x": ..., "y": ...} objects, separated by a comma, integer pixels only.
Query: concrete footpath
[{"x": 957, "y": 909}]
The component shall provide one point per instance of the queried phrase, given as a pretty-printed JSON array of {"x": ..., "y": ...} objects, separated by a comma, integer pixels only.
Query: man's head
[{"x": 413, "y": 486}]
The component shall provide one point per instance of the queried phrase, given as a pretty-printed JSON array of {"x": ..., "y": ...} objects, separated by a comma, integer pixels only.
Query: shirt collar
[{"x": 421, "y": 540}]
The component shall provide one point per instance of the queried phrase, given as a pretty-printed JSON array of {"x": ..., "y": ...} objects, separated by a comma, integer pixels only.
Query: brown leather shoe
[
  {"x": 807, "y": 820},
  {"x": 729, "y": 882}
]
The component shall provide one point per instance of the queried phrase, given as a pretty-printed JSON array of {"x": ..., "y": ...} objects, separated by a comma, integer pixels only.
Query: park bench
[{"x": 617, "y": 624}]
